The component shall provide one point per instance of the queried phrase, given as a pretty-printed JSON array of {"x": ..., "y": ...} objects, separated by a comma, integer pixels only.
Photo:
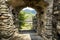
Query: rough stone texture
[
  {"x": 7, "y": 28},
  {"x": 48, "y": 17},
  {"x": 47, "y": 23},
  {"x": 6, "y": 21},
  {"x": 38, "y": 5},
  {"x": 8, "y": 31},
  {"x": 56, "y": 20}
]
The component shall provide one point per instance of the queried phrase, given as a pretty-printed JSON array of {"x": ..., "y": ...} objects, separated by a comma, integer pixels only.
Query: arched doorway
[
  {"x": 27, "y": 19},
  {"x": 39, "y": 6}
]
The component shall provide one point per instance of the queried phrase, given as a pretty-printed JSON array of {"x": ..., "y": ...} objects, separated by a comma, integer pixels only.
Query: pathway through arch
[{"x": 30, "y": 34}]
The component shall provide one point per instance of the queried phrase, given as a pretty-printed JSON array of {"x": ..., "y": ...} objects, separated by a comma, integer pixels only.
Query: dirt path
[{"x": 31, "y": 36}]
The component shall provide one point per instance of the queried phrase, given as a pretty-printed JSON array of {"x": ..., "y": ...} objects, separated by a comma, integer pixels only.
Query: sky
[{"x": 29, "y": 9}]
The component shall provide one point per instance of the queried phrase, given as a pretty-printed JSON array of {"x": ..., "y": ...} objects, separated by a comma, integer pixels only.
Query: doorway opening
[{"x": 27, "y": 19}]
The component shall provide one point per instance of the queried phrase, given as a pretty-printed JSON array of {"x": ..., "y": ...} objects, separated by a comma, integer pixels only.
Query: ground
[{"x": 30, "y": 36}]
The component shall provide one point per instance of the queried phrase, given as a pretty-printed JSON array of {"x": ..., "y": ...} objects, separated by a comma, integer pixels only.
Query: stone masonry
[
  {"x": 8, "y": 31},
  {"x": 6, "y": 21},
  {"x": 48, "y": 21},
  {"x": 7, "y": 28}
]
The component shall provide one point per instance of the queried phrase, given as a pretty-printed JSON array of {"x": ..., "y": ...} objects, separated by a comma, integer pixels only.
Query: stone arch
[
  {"x": 17, "y": 5},
  {"x": 38, "y": 5},
  {"x": 31, "y": 16}
]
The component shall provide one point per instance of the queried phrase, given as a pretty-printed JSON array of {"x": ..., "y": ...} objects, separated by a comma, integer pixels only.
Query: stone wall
[
  {"x": 6, "y": 16},
  {"x": 39, "y": 6},
  {"x": 48, "y": 17},
  {"x": 7, "y": 27},
  {"x": 56, "y": 15}
]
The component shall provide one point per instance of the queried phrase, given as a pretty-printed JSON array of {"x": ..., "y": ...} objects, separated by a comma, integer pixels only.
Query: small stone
[
  {"x": 4, "y": 12},
  {"x": 3, "y": 17},
  {"x": 3, "y": 6}
]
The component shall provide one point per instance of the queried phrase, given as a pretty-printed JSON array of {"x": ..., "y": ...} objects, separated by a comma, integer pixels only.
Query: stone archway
[
  {"x": 39, "y": 5},
  {"x": 29, "y": 21},
  {"x": 39, "y": 8},
  {"x": 14, "y": 6}
]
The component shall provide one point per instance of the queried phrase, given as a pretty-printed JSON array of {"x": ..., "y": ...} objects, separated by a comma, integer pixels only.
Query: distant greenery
[
  {"x": 21, "y": 18},
  {"x": 24, "y": 16}
]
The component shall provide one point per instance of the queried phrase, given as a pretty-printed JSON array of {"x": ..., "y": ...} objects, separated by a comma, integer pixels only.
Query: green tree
[{"x": 21, "y": 18}]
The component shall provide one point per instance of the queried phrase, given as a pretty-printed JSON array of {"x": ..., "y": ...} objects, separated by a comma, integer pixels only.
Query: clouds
[{"x": 28, "y": 8}]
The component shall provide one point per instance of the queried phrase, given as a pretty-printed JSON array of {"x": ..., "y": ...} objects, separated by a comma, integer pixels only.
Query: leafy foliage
[
  {"x": 24, "y": 18},
  {"x": 21, "y": 18}
]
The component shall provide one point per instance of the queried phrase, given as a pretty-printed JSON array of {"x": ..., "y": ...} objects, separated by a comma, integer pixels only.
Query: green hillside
[{"x": 27, "y": 17}]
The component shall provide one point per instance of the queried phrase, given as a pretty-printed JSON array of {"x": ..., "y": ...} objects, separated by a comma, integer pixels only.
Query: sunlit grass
[{"x": 27, "y": 26}]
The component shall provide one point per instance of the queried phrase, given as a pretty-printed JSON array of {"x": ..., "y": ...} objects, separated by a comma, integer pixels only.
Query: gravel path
[{"x": 31, "y": 36}]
